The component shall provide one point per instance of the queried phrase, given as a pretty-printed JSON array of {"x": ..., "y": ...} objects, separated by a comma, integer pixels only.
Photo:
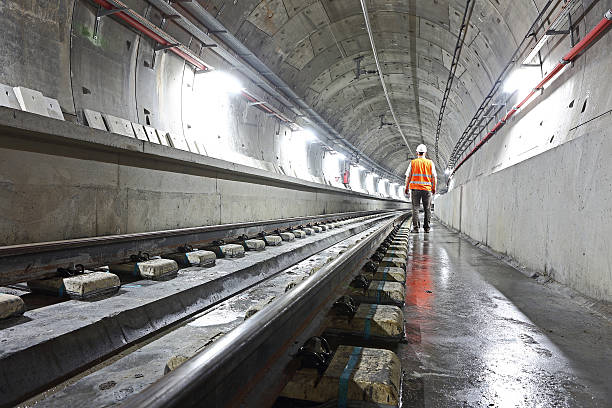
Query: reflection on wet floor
[{"x": 482, "y": 334}]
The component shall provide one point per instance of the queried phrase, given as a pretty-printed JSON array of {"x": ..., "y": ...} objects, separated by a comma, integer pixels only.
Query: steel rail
[
  {"x": 20, "y": 263},
  {"x": 248, "y": 366},
  {"x": 463, "y": 29}
]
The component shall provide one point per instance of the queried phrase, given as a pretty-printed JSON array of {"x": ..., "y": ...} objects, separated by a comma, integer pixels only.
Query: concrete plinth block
[
  {"x": 393, "y": 261},
  {"x": 356, "y": 376},
  {"x": 255, "y": 244},
  {"x": 90, "y": 285},
  {"x": 151, "y": 134},
  {"x": 154, "y": 269},
  {"x": 370, "y": 321},
  {"x": 323, "y": 227},
  {"x": 390, "y": 274},
  {"x": 399, "y": 242},
  {"x": 178, "y": 141},
  {"x": 162, "y": 137},
  {"x": 317, "y": 229},
  {"x": 10, "y": 306},
  {"x": 119, "y": 126},
  {"x": 139, "y": 132},
  {"x": 382, "y": 292},
  {"x": 299, "y": 234},
  {"x": 257, "y": 307},
  {"x": 31, "y": 100},
  {"x": 403, "y": 248},
  {"x": 308, "y": 231},
  {"x": 94, "y": 119},
  {"x": 273, "y": 240},
  {"x": 174, "y": 363},
  {"x": 287, "y": 236},
  {"x": 398, "y": 247},
  {"x": 54, "y": 109},
  {"x": 192, "y": 146},
  {"x": 8, "y": 98},
  {"x": 194, "y": 258},
  {"x": 232, "y": 250},
  {"x": 396, "y": 253}
]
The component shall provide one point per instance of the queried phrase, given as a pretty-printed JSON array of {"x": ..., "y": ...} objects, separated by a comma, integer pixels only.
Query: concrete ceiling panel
[
  {"x": 269, "y": 16},
  {"x": 312, "y": 45}
]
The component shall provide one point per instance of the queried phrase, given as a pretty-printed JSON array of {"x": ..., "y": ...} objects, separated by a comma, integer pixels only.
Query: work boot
[{"x": 427, "y": 231}]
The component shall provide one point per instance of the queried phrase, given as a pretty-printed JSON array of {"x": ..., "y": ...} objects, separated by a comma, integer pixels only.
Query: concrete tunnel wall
[
  {"x": 120, "y": 74},
  {"x": 49, "y": 195},
  {"x": 540, "y": 190}
]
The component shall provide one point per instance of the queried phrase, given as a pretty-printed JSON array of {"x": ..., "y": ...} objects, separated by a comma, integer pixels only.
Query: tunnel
[{"x": 305, "y": 203}]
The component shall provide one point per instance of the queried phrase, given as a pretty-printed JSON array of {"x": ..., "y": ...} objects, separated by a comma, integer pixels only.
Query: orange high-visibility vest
[{"x": 421, "y": 175}]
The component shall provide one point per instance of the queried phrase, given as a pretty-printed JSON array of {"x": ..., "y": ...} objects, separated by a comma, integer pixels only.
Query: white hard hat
[{"x": 421, "y": 148}]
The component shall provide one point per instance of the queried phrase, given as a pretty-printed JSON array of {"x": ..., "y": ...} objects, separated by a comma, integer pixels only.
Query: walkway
[{"x": 483, "y": 334}]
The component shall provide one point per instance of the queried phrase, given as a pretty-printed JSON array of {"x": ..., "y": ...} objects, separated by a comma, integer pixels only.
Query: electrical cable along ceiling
[{"x": 321, "y": 48}]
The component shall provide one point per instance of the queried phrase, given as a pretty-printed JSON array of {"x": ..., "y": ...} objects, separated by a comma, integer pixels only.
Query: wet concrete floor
[{"x": 482, "y": 334}]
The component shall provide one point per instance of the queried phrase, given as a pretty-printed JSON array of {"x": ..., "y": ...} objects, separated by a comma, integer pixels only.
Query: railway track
[{"x": 56, "y": 349}]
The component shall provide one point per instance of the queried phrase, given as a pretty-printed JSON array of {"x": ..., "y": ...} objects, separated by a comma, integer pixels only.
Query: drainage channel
[
  {"x": 54, "y": 342},
  {"x": 257, "y": 349}
]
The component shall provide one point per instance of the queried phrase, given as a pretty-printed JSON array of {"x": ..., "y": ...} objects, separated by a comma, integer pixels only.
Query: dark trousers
[{"x": 419, "y": 196}]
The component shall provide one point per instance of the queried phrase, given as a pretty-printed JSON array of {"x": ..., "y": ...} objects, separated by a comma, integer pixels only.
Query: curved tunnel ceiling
[{"x": 312, "y": 45}]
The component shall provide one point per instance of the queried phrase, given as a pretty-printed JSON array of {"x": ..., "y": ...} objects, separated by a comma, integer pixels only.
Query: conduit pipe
[
  {"x": 573, "y": 53},
  {"x": 366, "y": 17},
  {"x": 132, "y": 19}
]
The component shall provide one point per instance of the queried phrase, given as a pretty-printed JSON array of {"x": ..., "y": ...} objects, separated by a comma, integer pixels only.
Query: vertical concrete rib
[{"x": 366, "y": 17}]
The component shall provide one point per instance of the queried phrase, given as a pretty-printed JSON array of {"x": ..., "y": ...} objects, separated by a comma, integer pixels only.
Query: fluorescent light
[
  {"x": 521, "y": 80},
  {"x": 222, "y": 81},
  {"x": 307, "y": 134}
]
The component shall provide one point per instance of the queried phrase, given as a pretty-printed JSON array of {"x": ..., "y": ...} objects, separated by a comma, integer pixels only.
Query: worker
[{"x": 421, "y": 181}]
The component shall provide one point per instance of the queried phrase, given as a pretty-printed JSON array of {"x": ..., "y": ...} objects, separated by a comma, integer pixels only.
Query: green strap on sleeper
[
  {"x": 368, "y": 322},
  {"x": 346, "y": 374},
  {"x": 379, "y": 291}
]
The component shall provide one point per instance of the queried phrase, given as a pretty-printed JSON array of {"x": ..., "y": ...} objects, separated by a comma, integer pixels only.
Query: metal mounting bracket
[
  {"x": 102, "y": 12},
  {"x": 160, "y": 47}
]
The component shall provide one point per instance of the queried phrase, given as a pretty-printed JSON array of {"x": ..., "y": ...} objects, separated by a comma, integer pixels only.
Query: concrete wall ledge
[
  {"x": 21, "y": 130},
  {"x": 60, "y": 180}
]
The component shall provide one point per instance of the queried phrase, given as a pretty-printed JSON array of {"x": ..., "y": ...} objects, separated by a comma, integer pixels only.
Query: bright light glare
[
  {"x": 447, "y": 171},
  {"x": 522, "y": 79},
  {"x": 361, "y": 167},
  {"x": 308, "y": 135},
  {"x": 340, "y": 156},
  {"x": 224, "y": 82}
]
